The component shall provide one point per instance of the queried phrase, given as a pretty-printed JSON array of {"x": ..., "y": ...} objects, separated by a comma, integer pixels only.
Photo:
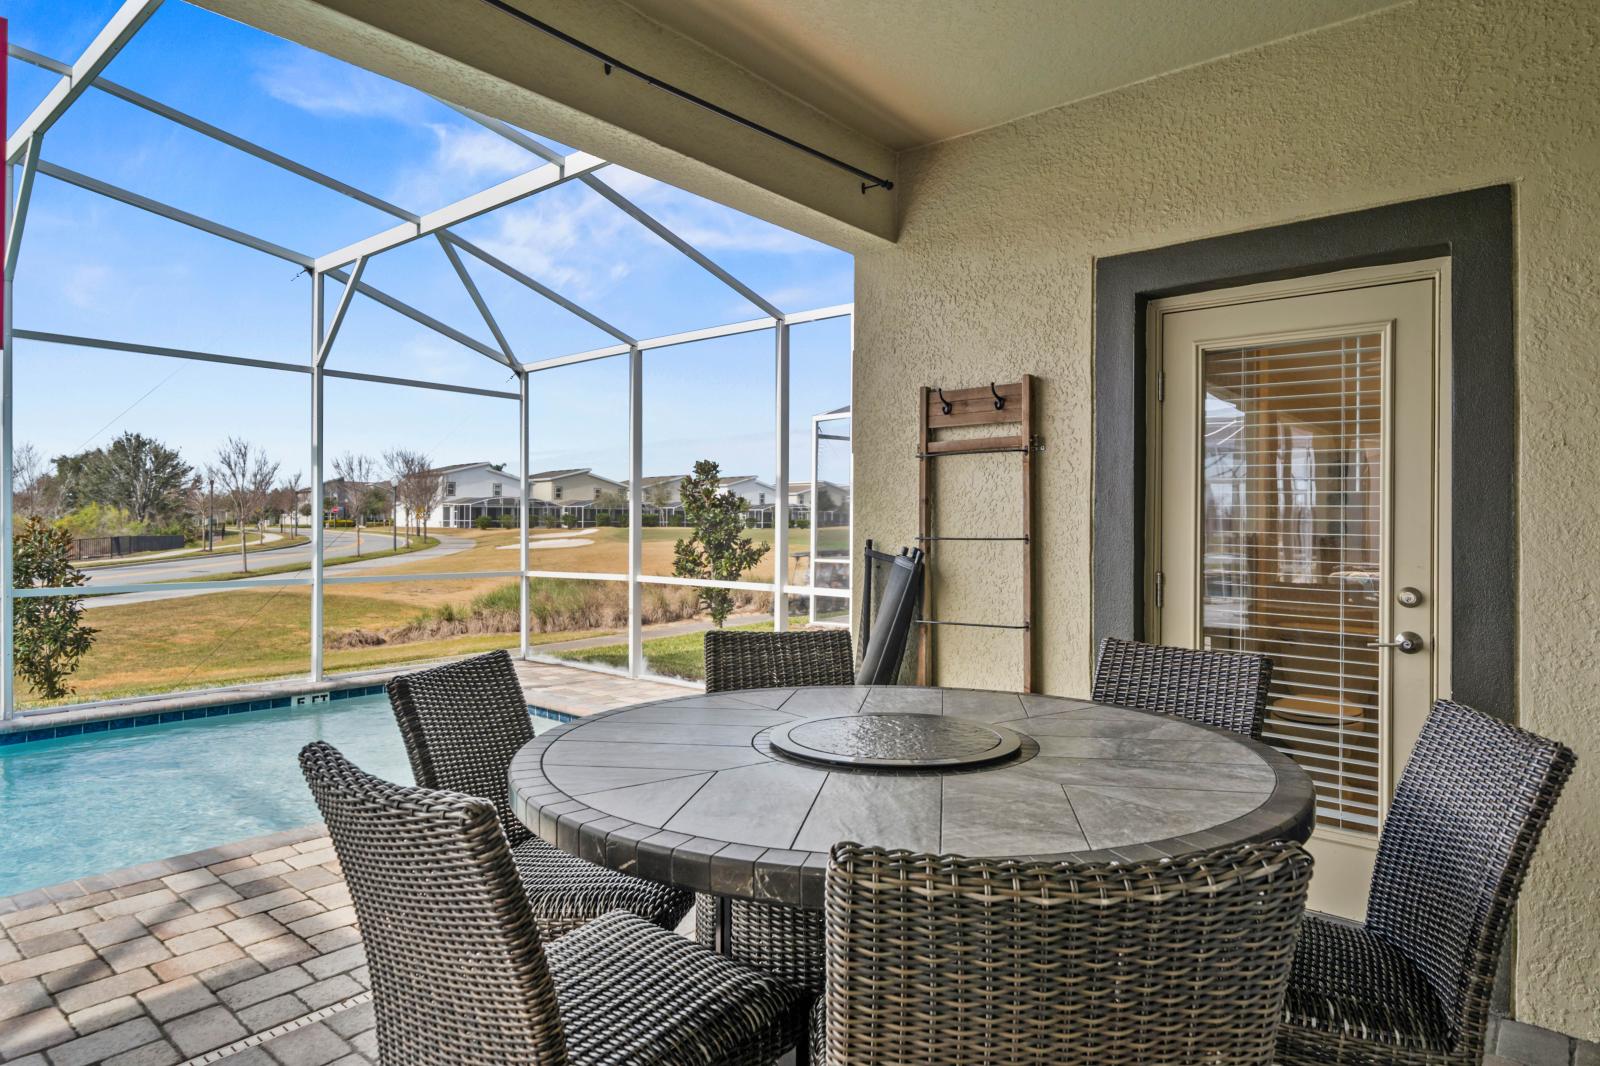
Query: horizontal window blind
[{"x": 1292, "y": 490}]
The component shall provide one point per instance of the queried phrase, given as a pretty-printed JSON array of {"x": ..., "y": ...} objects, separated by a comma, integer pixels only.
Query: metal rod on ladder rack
[
  {"x": 1022, "y": 539},
  {"x": 970, "y": 625}
]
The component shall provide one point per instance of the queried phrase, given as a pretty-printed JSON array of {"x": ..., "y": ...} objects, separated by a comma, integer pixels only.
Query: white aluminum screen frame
[{"x": 24, "y": 163}]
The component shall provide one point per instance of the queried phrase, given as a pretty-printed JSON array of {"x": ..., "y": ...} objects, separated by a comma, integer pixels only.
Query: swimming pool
[{"x": 88, "y": 804}]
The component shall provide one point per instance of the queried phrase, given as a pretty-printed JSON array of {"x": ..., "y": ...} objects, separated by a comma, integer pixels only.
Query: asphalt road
[{"x": 338, "y": 544}]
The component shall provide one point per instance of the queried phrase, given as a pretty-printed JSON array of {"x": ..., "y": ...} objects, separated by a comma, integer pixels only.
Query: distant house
[
  {"x": 572, "y": 489},
  {"x": 343, "y": 498},
  {"x": 473, "y": 490},
  {"x": 468, "y": 490},
  {"x": 835, "y": 497},
  {"x": 661, "y": 492}
]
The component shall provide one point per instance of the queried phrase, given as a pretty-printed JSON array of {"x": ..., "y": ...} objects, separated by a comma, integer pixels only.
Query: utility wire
[{"x": 90, "y": 440}]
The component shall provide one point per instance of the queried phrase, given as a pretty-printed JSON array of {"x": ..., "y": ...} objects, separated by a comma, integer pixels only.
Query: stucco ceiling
[{"x": 910, "y": 72}]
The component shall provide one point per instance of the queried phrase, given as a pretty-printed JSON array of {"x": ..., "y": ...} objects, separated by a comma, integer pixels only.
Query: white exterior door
[{"x": 1300, "y": 512}]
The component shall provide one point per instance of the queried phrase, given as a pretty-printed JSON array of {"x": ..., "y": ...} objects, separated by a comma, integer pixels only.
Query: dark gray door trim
[{"x": 1476, "y": 230}]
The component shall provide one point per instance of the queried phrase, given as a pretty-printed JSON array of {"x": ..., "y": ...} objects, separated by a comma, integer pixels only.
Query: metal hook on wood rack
[
  {"x": 944, "y": 403},
  {"x": 999, "y": 400}
]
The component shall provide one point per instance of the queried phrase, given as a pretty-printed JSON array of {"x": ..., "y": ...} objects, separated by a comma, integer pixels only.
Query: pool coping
[
  {"x": 209, "y": 703},
  {"x": 27, "y": 735},
  {"x": 95, "y": 884}
]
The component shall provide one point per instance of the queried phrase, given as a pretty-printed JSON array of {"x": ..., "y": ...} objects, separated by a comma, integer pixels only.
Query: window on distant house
[
  {"x": 761, "y": 499},
  {"x": 558, "y": 492},
  {"x": 597, "y": 492},
  {"x": 449, "y": 488},
  {"x": 494, "y": 489}
]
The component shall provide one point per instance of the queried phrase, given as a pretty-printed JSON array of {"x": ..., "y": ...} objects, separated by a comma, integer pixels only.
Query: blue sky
[{"x": 94, "y": 267}]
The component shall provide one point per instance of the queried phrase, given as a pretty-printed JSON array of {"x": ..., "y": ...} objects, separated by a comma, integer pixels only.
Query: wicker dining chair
[
  {"x": 1223, "y": 689},
  {"x": 736, "y": 660},
  {"x": 462, "y": 723},
  {"x": 461, "y": 977},
  {"x": 786, "y": 941},
  {"x": 939, "y": 959},
  {"x": 1412, "y": 985}
]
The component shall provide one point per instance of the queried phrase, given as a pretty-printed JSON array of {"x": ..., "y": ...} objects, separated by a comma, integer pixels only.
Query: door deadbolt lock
[
  {"x": 1409, "y": 597},
  {"x": 1405, "y": 642}
]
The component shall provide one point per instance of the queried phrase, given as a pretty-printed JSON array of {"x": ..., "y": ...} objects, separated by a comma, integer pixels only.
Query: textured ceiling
[{"x": 909, "y": 72}]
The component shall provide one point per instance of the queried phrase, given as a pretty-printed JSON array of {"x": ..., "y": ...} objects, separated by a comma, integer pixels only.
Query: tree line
[{"x": 139, "y": 485}]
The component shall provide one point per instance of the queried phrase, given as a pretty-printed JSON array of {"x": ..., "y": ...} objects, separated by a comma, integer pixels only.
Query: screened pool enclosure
[{"x": 765, "y": 394}]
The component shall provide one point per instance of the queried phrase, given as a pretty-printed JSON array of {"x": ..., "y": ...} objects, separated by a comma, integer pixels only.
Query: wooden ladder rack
[{"x": 986, "y": 405}]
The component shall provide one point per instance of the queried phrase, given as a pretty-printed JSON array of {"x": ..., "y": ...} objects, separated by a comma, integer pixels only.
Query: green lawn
[{"x": 680, "y": 656}]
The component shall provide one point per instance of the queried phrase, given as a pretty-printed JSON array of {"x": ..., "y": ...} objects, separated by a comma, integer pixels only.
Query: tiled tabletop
[{"x": 691, "y": 791}]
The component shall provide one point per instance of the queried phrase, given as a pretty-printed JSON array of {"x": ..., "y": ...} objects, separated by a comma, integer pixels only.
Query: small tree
[
  {"x": 356, "y": 472},
  {"x": 718, "y": 550},
  {"x": 659, "y": 495},
  {"x": 28, "y": 479},
  {"x": 420, "y": 483},
  {"x": 245, "y": 476},
  {"x": 51, "y": 637},
  {"x": 291, "y": 493},
  {"x": 610, "y": 500}
]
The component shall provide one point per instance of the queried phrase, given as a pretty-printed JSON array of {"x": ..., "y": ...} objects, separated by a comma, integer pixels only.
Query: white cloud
[
  {"x": 708, "y": 226},
  {"x": 465, "y": 159},
  {"x": 473, "y": 151},
  {"x": 321, "y": 85},
  {"x": 578, "y": 246}
]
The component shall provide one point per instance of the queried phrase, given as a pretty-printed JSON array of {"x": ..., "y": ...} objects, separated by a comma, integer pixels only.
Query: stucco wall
[{"x": 993, "y": 276}]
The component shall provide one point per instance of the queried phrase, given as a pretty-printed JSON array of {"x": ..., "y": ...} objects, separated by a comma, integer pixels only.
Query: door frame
[{"x": 1475, "y": 230}]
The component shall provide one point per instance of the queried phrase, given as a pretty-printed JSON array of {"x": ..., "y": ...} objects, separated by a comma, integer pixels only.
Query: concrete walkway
[{"x": 216, "y": 567}]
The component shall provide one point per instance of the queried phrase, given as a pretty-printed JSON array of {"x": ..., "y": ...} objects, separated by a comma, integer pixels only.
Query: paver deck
[{"x": 248, "y": 953}]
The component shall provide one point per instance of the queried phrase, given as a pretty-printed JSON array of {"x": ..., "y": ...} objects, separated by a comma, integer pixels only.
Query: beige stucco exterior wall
[{"x": 993, "y": 277}]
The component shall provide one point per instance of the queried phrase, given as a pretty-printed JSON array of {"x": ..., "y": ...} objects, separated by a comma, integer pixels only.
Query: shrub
[
  {"x": 50, "y": 637},
  {"x": 483, "y": 521},
  {"x": 650, "y": 520},
  {"x": 100, "y": 520}
]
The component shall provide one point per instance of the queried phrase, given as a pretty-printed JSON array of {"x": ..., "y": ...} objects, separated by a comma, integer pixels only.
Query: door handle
[{"x": 1406, "y": 642}]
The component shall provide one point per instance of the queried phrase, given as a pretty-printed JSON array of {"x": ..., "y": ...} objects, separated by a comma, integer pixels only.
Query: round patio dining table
[{"x": 741, "y": 794}]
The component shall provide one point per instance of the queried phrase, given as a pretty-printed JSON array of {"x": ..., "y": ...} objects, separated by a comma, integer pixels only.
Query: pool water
[{"x": 89, "y": 804}]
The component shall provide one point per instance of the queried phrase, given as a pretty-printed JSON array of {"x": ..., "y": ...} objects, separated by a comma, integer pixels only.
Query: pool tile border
[{"x": 16, "y": 734}]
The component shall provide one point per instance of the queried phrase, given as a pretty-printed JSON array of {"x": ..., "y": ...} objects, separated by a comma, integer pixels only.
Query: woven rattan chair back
[
  {"x": 458, "y": 974},
  {"x": 1221, "y": 689},
  {"x": 1456, "y": 844},
  {"x": 737, "y": 660},
  {"x": 462, "y": 723},
  {"x": 937, "y": 959}
]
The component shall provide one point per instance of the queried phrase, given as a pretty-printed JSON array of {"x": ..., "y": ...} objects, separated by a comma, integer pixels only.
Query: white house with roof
[
  {"x": 469, "y": 491},
  {"x": 835, "y": 497},
  {"x": 571, "y": 488},
  {"x": 661, "y": 491}
]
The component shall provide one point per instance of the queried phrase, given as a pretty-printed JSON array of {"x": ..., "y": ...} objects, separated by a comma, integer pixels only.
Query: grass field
[
  {"x": 256, "y": 634},
  {"x": 608, "y": 552},
  {"x": 681, "y": 656}
]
